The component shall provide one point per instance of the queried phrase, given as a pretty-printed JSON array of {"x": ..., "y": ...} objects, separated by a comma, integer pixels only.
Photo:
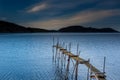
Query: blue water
[{"x": 29, "y": 56}]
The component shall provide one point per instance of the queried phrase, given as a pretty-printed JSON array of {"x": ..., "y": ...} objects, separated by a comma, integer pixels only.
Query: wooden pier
[{"x": 93, "y": 72}]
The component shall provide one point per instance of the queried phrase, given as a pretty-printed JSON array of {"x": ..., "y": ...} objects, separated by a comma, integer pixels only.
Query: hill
[
  {"x": 8, "y": 27},
  {"x": 85, "y": 29}
]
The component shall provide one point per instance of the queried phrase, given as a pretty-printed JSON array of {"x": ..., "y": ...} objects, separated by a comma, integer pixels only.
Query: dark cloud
[{"x": 57, "y": 13}]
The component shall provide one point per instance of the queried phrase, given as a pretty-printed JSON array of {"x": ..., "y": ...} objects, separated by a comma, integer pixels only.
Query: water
[{"x": 29, "y": 56}]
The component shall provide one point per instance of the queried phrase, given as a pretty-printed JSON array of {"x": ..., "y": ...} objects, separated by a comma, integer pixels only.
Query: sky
[{"x": 55, "y": 14}]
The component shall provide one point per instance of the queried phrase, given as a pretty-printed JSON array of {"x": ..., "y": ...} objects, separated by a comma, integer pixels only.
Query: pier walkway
[{"x": 93, "y": 72}]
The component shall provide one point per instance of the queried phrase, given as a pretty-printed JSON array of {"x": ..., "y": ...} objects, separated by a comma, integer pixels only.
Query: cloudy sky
[{"x": 55, "y": 14}]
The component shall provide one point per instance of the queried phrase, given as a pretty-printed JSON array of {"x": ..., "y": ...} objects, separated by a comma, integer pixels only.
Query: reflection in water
[{"x": 59, "y": 74}]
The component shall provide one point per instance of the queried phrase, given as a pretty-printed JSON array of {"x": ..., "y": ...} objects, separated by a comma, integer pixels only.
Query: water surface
[{"x": 29, "y": 56}]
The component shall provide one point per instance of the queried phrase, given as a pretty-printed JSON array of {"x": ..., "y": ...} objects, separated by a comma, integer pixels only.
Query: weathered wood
[
  {"x": 67, "y": 69},
  {"x": 97, "y": 73}
]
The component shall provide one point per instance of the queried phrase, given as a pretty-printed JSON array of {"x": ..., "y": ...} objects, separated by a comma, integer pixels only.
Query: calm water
[{"x": 29, "y": 56}]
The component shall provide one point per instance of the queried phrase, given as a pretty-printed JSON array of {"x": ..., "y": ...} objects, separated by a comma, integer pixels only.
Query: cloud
[
  {"x": 77, "y": 19},
  {"x": 36, "y": 8},
  {"x": 90, "y": 15},
  {"x": 68, "y": 4},
  {"x": 3, "y": 18},
  {"x": 59, "y": 6},
  {"x": 108, "y": 4}
]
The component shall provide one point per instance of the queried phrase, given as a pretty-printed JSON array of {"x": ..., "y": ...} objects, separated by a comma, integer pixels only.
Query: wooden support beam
[
  {"x": 76, "y": 71},
  {"x": 81, "y": 61},
  {"x": 53, "y": 50},
  {"x": 88, "y": 72},
  {"x": 67, "y": 69}
]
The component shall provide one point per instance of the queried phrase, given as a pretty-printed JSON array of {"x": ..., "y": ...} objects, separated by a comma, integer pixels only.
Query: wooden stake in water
[
  {"x": 77, "y": 49},
  {"x": 68, "y": 64},
  {"x": 88, "y": 71},
  {"x": 63, "y": 45},
  {"x": 67, "y": 69},
  {"x": 76, "y": 71},
  {"x": 70, "y": 47},
  {"x": 65, "y": 58},
  {"x": 53, "y": 49},
  {"x": 104, "y": 64},
  {"x": 62, "y": 56},
  {"x": 97, "y": 73},
  {"x": 57, "y": 44}
]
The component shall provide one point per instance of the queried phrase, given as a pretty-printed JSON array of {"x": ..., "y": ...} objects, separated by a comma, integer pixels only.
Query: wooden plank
[{"x": 98, "y": 74}]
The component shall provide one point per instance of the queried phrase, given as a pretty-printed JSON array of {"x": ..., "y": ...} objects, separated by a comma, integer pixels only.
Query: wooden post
[
  {"x": 88, "y": 71},
  {"x": 53, "y": 49},
  {"x": 65, "y": 58},
  {"x": 62, "y": 58},
  {"x": 94, "y": 72},
  {"x": 66, "y": 47},
  {"x": 58, "y": 58},
  {"x": 67, "y": 69},
  {"x": 63, "y": 45},
  {"x": 56, "y": 50},
  {"x": 77, "y": 49},
  {"x": 76, "y": 71},
  {"x": 53, "y": 40},
  {"x": 104, "y": 65},
  {"x": 69, "y": 47},
  {"x": 68, "y": 64}
]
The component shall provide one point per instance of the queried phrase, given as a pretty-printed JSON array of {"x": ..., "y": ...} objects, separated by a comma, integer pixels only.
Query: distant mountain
[
  {"x": 85, "y": 29},
  {"x": 8, "y": 27}
]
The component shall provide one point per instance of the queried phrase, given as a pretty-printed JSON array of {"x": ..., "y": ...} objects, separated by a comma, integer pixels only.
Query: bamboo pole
[
  {"x": 67, "y": 69},
  {"x": 53, "y": 50},
  {"x": 88, "y": 71},
  {"x": 76, "y": 71},
  {"x": 98, "y": 74},
  {"x": 104, "y": 65}
]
